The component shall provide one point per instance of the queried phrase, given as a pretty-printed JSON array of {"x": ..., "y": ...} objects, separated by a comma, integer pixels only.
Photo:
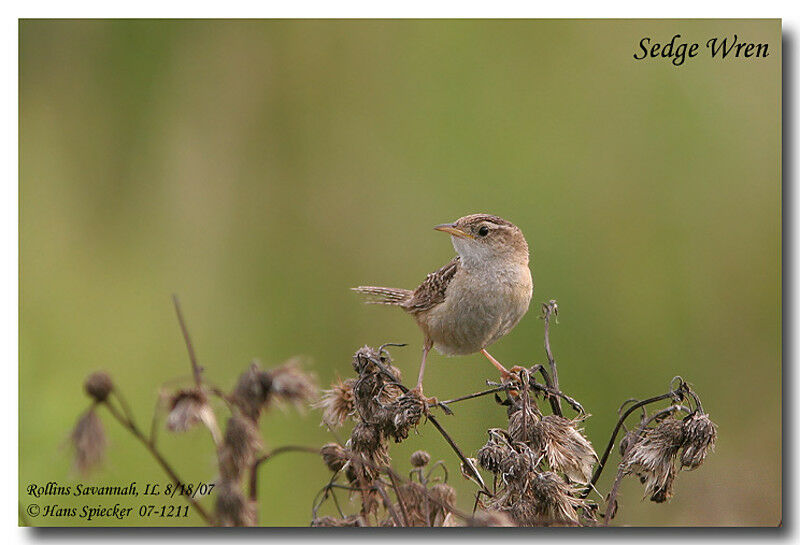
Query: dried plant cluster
[
  {"x": 542, "y": 468},
  {"x": 239, "y": 448}
]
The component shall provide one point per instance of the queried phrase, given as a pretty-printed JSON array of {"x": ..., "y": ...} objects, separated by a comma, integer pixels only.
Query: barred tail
[{"x": 384, "y": 296}]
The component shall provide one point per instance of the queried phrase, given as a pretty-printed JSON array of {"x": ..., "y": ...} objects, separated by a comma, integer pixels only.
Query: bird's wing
[{"x": 431, "y": 292}]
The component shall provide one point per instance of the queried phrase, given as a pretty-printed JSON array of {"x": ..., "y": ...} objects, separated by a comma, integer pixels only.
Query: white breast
[{"x": 479, "y": 308}]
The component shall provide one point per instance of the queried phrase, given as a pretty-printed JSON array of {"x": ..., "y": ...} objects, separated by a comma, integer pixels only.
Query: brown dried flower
[
  {"x": 652, "y": 458},
  {"x": 352, "y": 521},
  {"x": 364, "y": 362},
  {"x": 188, "y": 408},
  {"x": 89, "y": 440},
  {"x": 522, "y": 423},
  {"x": 232, "y": 508},
  {"x": 293, "y": 385},
  {"x": 239, "y": 447},
  {"x": 334, "y": 455},
  {"x": 565, "y": 447},
  {"x": 492, "y": 456},
  {"x": 338, "y": 403},
  {"x": 98, "y": 386},
  {"x": 699, "y": 437},
  {"x": 554, "y": 499},
  {"x": 402, "y": 415},
  {"x": 420, "y": 458},
  {"x": 492, "y": 518},
  {"x": 252, "y": 391},
  {"x": 442, "y": 500}
]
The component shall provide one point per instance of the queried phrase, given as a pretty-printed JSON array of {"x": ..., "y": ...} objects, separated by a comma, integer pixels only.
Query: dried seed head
[
  {"x": 232, "y": 508},
  {"x": 420, "y": 458},
  {"x": 519, "y": 463},
  {"x": 252, "y": 391},
  {"x": 98, "y": 385},
  {"x": 699, "y": 437},
  {"x": 565, "y": 447},
  {"x": 522, "y": 423},
  {"x": 334, "y": 455},
  {"x": 89, "y": 440},
  {"x": 292, "y": 385},
  {"x": 444, "y": 496},
  {"x": 413, "y": 495},
  {"x": 187, "y": 408},
  {"x": 554, "y": 498},
  {"x": 364, "y": 360},
  {"x": 352, "y": 521},
  {"x": 491, "y": 518},
  {"x": 652, "y": 456},
  {"x": 365, "y": 439},
  {"x": 664, "y": 490},
  {"x": 338, "y": 403},
  {"x": 239, "y": 447},
  {"x": 404, "y": 414},
  {"x": 492, "y": 456}
]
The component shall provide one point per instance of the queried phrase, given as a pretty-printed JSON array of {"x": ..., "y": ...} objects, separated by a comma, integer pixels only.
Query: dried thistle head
[
  {"x": 239, "y": 446},
  {"x": 365, "y": 439},
  {"x": 292, "y": 385},
  {"x": 442, "y": 501},
  {"x": 519, "y": 463},
  {"x": 420, "y": 458},
  {"x": 338, "y": 403},
  {"x": 554, "y": 499},
  {"x": 252, "y": 391},
  {"x": 400, "y": 416},
  {"x": 364, "y": 362},
  {"x": 232, "y": 508},
  {"x": 370, "y": 454},
  {"x": 414, "y": 496},
  {"x": 187, "y": 408},
  {"x": 522, "y": 422},
  {"x": 652, "y": 457},
  {"x": 493, "y": 456},
  {"x": 98, "y": 386},
  {"x": 491, "y": 518},
  {"x": 88, "y": 437},
  {"x": 352, "y": 521},
  {"x": 699, "y": 437},
  {"x": 565, "y": 447},
  {"x": 334, "y": 455}
]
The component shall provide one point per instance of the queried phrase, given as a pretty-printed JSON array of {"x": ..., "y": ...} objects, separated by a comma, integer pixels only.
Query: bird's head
[{"x": 483, "y": 238}]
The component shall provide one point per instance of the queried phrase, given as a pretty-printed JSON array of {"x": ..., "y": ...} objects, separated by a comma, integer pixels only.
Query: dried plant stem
[
  {"x": 128, "y": 423},
  {"x": 198, "y": 379},
  {"x": 400, "y": 500},
  {"x": 388, "y": 503},
  {"x": 549, "y": 309}
]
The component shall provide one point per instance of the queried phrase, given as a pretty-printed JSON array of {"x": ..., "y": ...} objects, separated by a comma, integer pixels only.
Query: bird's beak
[{"x": 453, "y": 230}]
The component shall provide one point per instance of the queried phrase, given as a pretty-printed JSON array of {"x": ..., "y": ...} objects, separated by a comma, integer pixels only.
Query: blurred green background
[{"x": 261, "y": 168}]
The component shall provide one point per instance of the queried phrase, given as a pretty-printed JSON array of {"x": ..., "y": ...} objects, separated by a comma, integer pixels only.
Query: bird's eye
[{"x": 483, "y": 231}]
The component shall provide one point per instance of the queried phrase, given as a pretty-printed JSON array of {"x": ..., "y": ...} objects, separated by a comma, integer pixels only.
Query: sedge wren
[{"x": 476, "y": 298}]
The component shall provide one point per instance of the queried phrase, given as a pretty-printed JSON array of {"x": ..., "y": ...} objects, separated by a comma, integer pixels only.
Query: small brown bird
[{"x": 476, "y": 298}]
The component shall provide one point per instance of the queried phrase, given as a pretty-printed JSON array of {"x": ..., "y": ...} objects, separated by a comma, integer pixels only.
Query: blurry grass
[{"x": 261, "y": 168}]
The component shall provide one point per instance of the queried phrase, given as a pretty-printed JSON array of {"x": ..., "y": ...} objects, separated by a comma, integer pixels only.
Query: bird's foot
[{"x": 428, "y": 402}]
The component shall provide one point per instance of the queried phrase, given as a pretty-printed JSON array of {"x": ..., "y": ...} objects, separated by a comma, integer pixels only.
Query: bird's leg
[
  {"x": 503, "y": 371},
  {"x": 426, "y": 347}
]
